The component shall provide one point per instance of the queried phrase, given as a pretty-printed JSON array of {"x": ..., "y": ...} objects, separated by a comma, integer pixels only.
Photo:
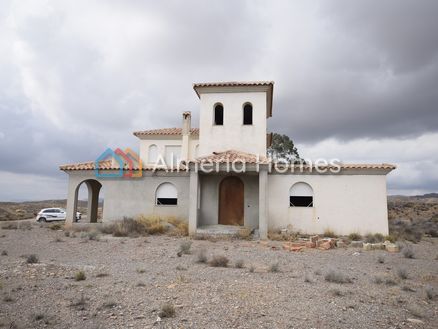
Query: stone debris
[
  {"x": 356, "y": 244},
  {"x": 373, "y": 246},
  {"x": 392, "y": 247}
]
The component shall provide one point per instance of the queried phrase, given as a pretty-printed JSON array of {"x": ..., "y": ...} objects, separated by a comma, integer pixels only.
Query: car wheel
[{"x": 42, "y": 219}]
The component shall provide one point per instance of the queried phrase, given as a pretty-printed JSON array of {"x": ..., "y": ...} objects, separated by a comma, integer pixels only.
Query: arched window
[
  {"x": 247, "y": 114},
  {"x": 219, "y": 114},
  {"x": 166, "y": 194},
  {"x": 153, "y": 153},
  {"x": 301, "y": 195}
]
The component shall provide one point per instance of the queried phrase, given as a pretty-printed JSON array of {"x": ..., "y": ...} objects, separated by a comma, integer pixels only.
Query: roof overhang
[{"x": 235, "y": 86}]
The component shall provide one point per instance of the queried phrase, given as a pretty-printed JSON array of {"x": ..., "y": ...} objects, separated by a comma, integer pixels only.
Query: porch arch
[{"x": 93, "y": 188}]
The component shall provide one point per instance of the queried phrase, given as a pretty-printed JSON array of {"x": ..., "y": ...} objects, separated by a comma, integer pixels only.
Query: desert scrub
[
  {"x": 4, "y": 253},
  {"x": 185, "y": 246},
  {"x": 80, "y": 276},
  {"x": 402, "y": 273},
  {"x": 55, "y": 227},
  {"x": 219, "y": 261},
  {"x": 430, "y": 292},
  {"x": 391, "y": 238},
  {"x": 307, "y": 278},
  {"x": 10, "y": 226},
  {"x": 337, "y": 277},
  {"x": 244, "y": 233},
  {"x": 354, "y": 236},
  {"x": 32, "y": 259},
  {"x": 202, "y": 256},
  {"x": 251, "y": 268},
  {"x": 283, "y": 236},
  {"x": 274, "y": 268},
  {"x": 239, "y": 263},
  {"x": 380, "y": 259},
  {"x": 146, "y": 225},
  {"x": 167, "y": 311},
  {"x": 328, "y": 233},
  {"x": 109, "y": 304},
  {"x": 374, "y": 238},
  {"x": 408, "y": 252}
]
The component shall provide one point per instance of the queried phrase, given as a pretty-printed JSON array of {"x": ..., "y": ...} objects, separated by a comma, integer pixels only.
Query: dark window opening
[
  {"x": 247, "y": 114},
  {"x": 167, "y": 201},
  {"x": 301, "y": 201},
  {"x": 219, "y": 115}
]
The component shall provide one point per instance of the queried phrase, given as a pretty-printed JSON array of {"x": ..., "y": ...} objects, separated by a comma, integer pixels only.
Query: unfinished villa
[{"x": 218, "y": 175}]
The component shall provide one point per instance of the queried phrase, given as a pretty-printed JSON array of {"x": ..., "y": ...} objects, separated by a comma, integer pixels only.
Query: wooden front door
[{"x": 231, "y": 201}]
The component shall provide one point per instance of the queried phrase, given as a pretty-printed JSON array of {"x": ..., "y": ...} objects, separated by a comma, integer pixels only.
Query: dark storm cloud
[
  {"x": 77, "y": 77},
  {"x": 376, "y": 74}
]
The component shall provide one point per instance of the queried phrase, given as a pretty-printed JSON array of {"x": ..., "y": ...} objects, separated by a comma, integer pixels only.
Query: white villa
[{"x": 218, "y": 174}]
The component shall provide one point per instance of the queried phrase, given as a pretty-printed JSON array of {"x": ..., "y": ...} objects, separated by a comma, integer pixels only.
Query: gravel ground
[{"x": 128, "y": 280}]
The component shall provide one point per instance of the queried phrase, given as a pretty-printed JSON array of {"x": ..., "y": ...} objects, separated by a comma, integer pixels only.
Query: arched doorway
[
  {"x": 231, "y": 194},
  {"x": 93, "y": 212}
]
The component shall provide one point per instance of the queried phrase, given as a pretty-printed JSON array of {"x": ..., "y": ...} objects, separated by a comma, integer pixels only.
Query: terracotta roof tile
[
  {"x": 231, "y": 156},
  {"x": 109, "y": 165},
  {"x": 165, "y": 132},
  {"x": 233, "y": 84},
  {"x": 198, "y": 87}
]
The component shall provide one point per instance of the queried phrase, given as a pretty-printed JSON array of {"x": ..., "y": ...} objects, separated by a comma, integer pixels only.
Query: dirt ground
[{"x": 128, "y": 280}]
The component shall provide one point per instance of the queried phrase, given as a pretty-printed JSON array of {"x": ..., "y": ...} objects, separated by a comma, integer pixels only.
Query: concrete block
[
  {"x": 356, "y": 244},
  {"x": 392, "y": 248},
  {"x": 367, "y": 247}
]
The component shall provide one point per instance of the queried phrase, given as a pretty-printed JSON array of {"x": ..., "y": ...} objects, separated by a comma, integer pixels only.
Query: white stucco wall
[
  {"x": 161, "y": 144},
  {"x": 233, "y": 134},
  {"x": 209, "y": 211},
  {"x": 132, "y": 197},
  {"x": 342, "y": 203}
]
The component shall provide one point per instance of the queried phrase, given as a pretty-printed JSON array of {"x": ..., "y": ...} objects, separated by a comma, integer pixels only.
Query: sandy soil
[{"x": 128, "y": 280}]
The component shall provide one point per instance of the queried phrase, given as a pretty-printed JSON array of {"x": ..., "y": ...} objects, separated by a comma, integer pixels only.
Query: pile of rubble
[{"x": 322, "y": 243}]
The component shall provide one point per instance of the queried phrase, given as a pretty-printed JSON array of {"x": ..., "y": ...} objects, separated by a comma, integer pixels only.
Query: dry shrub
[
  {"x": 32, "y": 259},
  {"x": 328, "y": 233},
  {"x": 408, "y": 252},
  {"x": 274, "y": 268},
  {"x": 167, "y": 311},
  {"x": 355, "y": 236},
  {"x": 402, "y": 273},
  {"x": 55, "y": 227},
  {"x": 10, "y": 226},
  {"x": 202, "y": 256},
  {"x": 239, "y": 263},
  {"x": 219, "y": 261},
  {"x": 283, "y": 236},
  {"x": 244, "y": 233},
  {"x": 181, "y": 226},
  {"x": 374, "y": 238},
  {"x": 416, "y": 310},
  {"x": 337, "y": 277},
  {"x": 185, "y": 246},
  {"x": 391, "y": 238},
  {"x": 80, "y": 276}
]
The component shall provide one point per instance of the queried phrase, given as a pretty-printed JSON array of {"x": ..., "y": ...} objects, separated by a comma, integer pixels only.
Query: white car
[{"x": 49, "y": 214}]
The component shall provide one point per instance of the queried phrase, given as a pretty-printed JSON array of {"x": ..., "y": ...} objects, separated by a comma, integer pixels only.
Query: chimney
[{"x": 186, "y": 127}]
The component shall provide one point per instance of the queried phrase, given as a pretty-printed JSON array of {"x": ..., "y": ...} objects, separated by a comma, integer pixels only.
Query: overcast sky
[{"x": 354, "y": 80}]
